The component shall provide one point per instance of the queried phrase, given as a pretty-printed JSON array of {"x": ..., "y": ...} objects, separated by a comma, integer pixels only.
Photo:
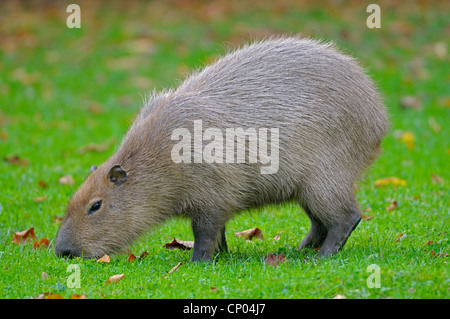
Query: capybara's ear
[
  {"x": 117, "y": 175},
  {"x": 93, "y": 168}
]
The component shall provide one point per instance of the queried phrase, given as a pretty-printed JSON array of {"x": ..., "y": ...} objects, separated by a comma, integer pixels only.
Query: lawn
[{"x": 67, "y": 96}]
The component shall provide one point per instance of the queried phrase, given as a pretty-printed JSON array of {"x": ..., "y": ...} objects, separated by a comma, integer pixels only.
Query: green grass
[{"x": 61, "y": 89}]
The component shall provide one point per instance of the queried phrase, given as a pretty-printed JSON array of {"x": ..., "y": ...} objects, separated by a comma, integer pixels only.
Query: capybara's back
[{"x": 278, "y": 120}]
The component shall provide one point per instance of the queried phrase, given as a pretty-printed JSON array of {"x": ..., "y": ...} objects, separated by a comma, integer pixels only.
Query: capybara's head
[{"x": 97, "y": 220}]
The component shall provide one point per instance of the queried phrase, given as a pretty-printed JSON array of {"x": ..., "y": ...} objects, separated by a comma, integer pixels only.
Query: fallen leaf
[
  {"x": 443, "y": 254},
  {"x": 364, "y": 217},
  {"x": 132, "y": 257},
  {"x": 175, "y": 268},
  {"x": 16, "y": 160},
  {"x": 435, "y": 126},
  {"x": 75, "y": 296},
  {"x": 213, "y": 289},
  {"x": 66, "y": 180},
  {"x": 249, "y": 234},
  {"x": 395, "y": 181},
  {"x": 140, "y": 45},
  {"x": 41, "y": 244},
  {"x": 145, "y": 253},
  {"x": 436, "y": 179},
  {"x": 42, "y": 184},
  {"x": 392, "y": 206},
  {"x": 179, "y": 244},
  {"x": 104, "y": 259},
  {"x": 42, "y": 295},
  {"x": 408, "y": 139},
  {"x": 54, "y": 296},
  {"x": 24, "y": 77},
  {"x": 430, "y": 242},
  {"x": 400, "y": 237},
  {"x": 440, "y": 49},
  {"x": 277, "y": 237},
  {"x": 339, "y": 297},
  {"x": 3, "y": 135},
  {"x": 25, "y": 235},
  {"x": 99, "y": 148},
  {"x": 45, "y": 276},
  {"x": 95, "y": 108},
  {"x": 115, "y": 278},
  {"x": 40, "y": 199},
  {"x": 57, "y": 220},
  {"x": 410, "y": 102},
  {"x": 275, "y": 260}
]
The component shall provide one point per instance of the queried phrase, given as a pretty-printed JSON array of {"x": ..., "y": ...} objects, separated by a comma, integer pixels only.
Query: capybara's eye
[{"x": 95, "y": 207}]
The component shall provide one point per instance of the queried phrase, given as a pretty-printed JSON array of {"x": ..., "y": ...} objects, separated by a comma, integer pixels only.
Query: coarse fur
[{"x": 331, "y": 122}]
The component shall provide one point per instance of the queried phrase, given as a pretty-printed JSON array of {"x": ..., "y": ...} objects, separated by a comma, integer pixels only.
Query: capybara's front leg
[{"x": 208, "y": 237}]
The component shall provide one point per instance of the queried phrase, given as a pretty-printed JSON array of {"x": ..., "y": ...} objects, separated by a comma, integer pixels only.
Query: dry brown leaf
[
  {"x": 175, "y": 268},
  {"x": 132, "y": 257},
  {"x": 16, "y": 160},
  {"x": 104, "y": 259},
  {"x": 275, "y": 260},
  {"x": 42, "y": 295},
  {"x": 145, "y": 253},
  {"x": 40, "y": 199},
  {"x": 277, "y": 237},
  {"x": 339, "y": 297},
  {"x": 400, "y": 237},
  {"x": 57, "y": 220},
  {"x": 75, "y": 296},
  {"x": 54, "y": 296},
  {"x": 430, "y": 242},
  {"x": 95, "y": 108},
  {"x": 249, "y": 234},
  {"x": 410, "y": 102},
  {"x": 41, "y": 244},
  {"x": 364, "y": 217},
  {"x": 23, "y": 236},
  {"x": 99, "y": 148},
  {"x": 179, "y": 244},
  {"x": 436, "y": 179},
  {"x": 66, "y": 180},
  {"x": 45, "y": 276},
  {"x": 392, "y": 206},
  {"x": 115, "y": 278},
  {"x": 42, "y": 184}
]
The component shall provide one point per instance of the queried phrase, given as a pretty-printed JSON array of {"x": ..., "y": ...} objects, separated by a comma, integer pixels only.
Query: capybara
[{"x": 283, "y": 119}]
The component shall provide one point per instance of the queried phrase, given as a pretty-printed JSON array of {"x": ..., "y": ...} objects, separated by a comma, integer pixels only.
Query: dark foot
[{"x": 338, "y": 234}]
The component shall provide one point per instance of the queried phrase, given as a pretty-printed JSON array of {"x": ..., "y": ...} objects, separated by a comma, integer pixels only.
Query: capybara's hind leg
[
  {"x": 317, "y": 233},
  {"x": 339, "y": 232}
]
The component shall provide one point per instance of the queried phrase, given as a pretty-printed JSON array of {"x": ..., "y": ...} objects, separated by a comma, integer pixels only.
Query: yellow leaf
[
  {"x": 395, "y": 181},
  {"x": 409, "y": 139}
]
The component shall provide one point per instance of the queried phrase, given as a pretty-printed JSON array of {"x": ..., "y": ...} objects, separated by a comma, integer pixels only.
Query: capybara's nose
[{"x": 63, "y": 246}]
